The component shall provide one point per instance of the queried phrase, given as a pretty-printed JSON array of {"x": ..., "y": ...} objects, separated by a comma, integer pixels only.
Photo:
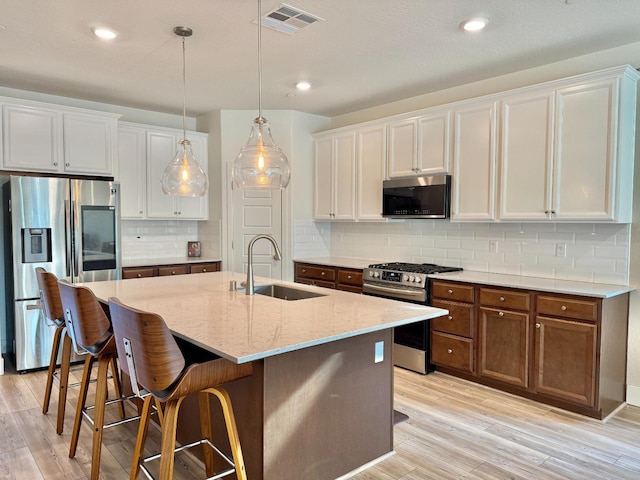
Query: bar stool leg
[
  {"x": 52, "y": 368},
  {"x": 64, "y": 382},
  {"x": 98, "y": 419},
  {"x": 82, "y": 400},
  {"x": 141, "y": 438},
  {"x": 232, "y": 430},
  {"x": 207, "y": 431},
  {"x": 167, "y": 459},
  {"x": 117, "y": 386}
]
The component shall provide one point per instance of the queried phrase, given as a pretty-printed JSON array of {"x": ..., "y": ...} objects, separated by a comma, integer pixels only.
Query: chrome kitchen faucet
[{"x": 277, "y": 256}]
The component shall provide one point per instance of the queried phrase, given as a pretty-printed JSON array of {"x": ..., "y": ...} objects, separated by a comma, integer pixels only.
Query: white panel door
[
  {"x": 323, "y": 179},
  {"x": 474, "y": 163},
  {"x": 585, "y": 145},
  {"x": 345, "y": 176},
  {"x": 434, "y": 143},
  {"x": 526, "y": 168},
  {"x": 131, "y": 171},
  {"x": 372, "y": 154},
  {"x": 89, "y": 143},
  {"x": 256, "y": 212},
  {"x": 402, "y": 148},
  {"x": 31, "y": 139},
  {"x": 161, "y": 147}
]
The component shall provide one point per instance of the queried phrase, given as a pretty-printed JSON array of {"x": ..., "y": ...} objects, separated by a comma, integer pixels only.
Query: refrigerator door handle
[
  {"x": 34, "y": 306},
  {"x": 75, "y": 240},
  {"x": 67, "y": 227}
]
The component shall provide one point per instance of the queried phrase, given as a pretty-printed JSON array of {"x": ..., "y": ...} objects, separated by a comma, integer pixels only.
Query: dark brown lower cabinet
[
  {"x": 175, "y": 269},
  {"x": 327, "y": 276},
  {"x": 565, "y": 359},
  {"x": 565, "y": 350},
  {"x": 503, "y": 347}
]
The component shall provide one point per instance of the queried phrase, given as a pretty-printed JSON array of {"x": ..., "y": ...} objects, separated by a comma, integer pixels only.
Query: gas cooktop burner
[{"x": 426, "y": 268}]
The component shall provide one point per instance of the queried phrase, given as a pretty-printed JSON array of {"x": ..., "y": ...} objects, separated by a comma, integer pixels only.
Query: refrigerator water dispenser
[{"x": 36, "y": 245}]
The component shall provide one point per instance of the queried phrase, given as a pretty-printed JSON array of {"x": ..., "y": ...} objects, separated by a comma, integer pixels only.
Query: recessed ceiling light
[
  {"x": 104, "y": 33},
  {"x": 474, "y": 24},
  {"x": 303, "y": 86}
]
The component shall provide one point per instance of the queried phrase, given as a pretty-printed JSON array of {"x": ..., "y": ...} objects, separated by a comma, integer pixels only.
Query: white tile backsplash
[
  {"x": 150, "y": 239},
  {"x": 594, "y": 252}
]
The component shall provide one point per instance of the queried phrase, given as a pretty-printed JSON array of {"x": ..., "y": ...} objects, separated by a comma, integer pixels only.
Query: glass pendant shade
[
  {"x": 261, "y": 164},
  {"x": 184, "y": 176}
]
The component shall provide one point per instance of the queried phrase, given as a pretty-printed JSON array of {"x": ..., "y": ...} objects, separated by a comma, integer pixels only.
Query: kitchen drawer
[
  {"x": 452, "y": 291},
  {"x": 173, "y": 270},
  {"x": 505, "y": 299},
  {"x": 205, "y": 267},
  {"x": 317, "y": 283},
  {"x": 579, "y": 309},
  {"x": 138, "y": 272},
  {"x": 350, "y": 277},
  {"x": 452, "y": 351},
  {"x": 326, "y": 274},
  {"x": 460, "y": 321}
]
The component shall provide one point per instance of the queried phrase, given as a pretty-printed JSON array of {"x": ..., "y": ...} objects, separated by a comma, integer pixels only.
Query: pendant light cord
[
  {"x": 259, "y": 59},
  {"x": 184, "y": 93}
]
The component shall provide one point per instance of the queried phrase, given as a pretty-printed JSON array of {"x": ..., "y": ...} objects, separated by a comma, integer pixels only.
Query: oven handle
[{"x": 394, "y": 291}]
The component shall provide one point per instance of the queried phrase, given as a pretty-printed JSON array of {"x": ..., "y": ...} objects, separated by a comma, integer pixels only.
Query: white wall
[{"x": 158, "y": 239}]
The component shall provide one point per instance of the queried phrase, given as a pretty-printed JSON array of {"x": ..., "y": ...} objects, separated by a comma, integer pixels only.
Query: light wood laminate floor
[{"x": 456, "y": 430}]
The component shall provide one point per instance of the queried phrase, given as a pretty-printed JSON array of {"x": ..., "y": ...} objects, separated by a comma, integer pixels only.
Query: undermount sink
[{"x": 285, "y": 293}]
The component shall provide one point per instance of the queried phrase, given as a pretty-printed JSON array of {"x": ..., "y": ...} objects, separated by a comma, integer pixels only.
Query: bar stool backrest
[
  {"x": 50, "y": 296},
  {"x": 145, "y": 338},
  {"x": 91, "y": 326}
]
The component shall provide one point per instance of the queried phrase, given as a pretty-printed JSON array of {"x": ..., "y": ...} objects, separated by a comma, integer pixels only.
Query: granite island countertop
[{"x": 242, "y": 328}]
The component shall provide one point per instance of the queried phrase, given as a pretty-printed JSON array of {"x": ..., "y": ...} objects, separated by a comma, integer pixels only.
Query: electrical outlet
[
  {"x": 561, "y": 249},
  {"x": 493, "y": 246}
]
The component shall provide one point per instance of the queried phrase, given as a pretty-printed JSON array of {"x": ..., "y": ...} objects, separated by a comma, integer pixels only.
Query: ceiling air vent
[{"x": 288, "y": 19}]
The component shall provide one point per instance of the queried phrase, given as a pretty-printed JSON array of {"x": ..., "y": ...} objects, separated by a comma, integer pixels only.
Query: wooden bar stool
[
  {"x": 52, "y": 308},
  {"x": 90, "y": 331},
  {"x": 151, "y": 357}
]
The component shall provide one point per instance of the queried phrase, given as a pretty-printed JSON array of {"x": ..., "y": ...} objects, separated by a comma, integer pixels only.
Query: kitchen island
[{"x": 320, "y": 402}]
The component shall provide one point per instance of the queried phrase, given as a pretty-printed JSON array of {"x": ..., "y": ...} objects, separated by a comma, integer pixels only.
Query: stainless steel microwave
[{"x": 417, "y": 197}]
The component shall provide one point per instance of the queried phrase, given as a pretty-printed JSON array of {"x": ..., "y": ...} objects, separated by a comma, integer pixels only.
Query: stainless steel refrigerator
[{"x": 69, "y": 227}]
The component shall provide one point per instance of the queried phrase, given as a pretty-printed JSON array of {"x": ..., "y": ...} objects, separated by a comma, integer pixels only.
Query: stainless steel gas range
[{"x": 407, "y": 282}]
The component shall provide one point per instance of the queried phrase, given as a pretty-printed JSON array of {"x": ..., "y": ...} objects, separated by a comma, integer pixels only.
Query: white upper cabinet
[
  {"x": 567, "y": 150},
  {"x": 372, "y": 155},
  {"x": 585, "y": 152},
  {"x": 474, "y": 167},
  {"x": 132, "y": 171},
  {"x": 46, "y": 138},
  {"x": 161, "y": 147},
  {"x": 335, "y": 174},
  {"x": 420, "y": 145},
  {"x": 526, "y": 172}
]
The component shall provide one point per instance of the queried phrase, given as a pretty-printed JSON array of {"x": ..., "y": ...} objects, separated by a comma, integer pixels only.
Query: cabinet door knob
[
  {"x": 563, "y": 308},
  {"x": 67, "y": 164},
  {"x": 537, "y": 325},
  {"x": 322, "y": 273},
  {"x": 304, "y": 270},
  {"x": 139, "y": 275},
  {"x": 502, "y": 299},
  {"x": 450, "y": 317},
  {"x": 501, "y": 314},
  {"x": 204, "y": 270},
  {"x": 450, "y": 291},
  {"x": 449, "y": 350},
  {"x": 55, "y": 164},
  {"x": 349, "y": 277},
  {"x": 140, "y": 212},
  {"x": 173, "y": 272}
]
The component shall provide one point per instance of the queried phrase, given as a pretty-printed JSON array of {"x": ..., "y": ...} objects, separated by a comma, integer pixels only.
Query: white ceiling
[{"x": 364, "y": 53}]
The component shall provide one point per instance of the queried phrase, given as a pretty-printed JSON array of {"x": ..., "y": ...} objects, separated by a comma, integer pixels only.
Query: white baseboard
[{"x": 633, "y": 395}]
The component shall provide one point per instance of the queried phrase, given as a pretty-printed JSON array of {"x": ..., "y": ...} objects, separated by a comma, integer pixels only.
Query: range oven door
[{"x": 411, "y": 342}]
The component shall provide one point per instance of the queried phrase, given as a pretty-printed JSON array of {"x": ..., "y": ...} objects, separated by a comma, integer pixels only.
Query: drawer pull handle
[
  {"x": 139, "y": 275},
  {"x": 537, "y": 325},
  {"x": 450, "y": 291},
  {"x": 502, "y": 299},
  {"x": 563, "y": 308},
  {"x": 322, "y": 273},
  {"x": 349, "y": 277},
  {"x": 501, "y": 314},
  {"x": 450, "y": 317},
  {"x": 173, "y": 272},
  {"x": 304, "y": 270},
  {"x": 204, "y": 270},
  {"x": 449, "y": 350}
]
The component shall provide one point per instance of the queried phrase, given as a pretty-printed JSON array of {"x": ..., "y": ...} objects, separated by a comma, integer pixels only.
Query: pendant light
[
  {"x": 184, "y": 176},
  {"x": 261, "y": 164}
]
